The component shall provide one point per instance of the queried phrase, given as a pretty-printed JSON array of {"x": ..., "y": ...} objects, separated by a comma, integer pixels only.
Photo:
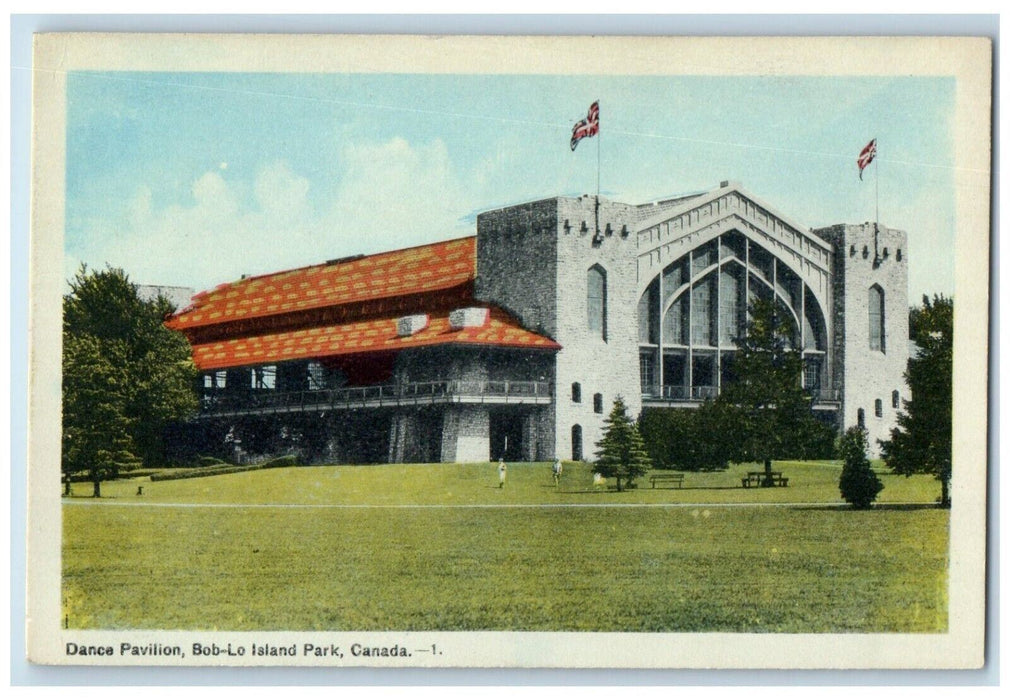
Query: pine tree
[
  {"x": 621, "y": 451},
  {"x": 859, "y": 485},
  {"x": 764, "y": 411},
  {"x": 921, "y": 444}
]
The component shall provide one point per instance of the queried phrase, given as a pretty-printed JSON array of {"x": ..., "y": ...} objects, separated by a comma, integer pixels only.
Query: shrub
[
  {"x": 683, "y": 439},
  {"x": 209, "y": 462},
  {"x": 859, "y": 485},
  {"x": 285, "y": 461}
]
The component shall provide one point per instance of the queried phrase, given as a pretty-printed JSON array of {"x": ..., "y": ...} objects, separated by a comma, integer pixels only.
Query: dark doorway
[
  {"x": 362, "y": 437},
  {"x": 507, "y": 436}
]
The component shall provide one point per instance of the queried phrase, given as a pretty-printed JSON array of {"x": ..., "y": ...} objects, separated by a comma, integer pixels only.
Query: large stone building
[{"x": 516, "y": 342}]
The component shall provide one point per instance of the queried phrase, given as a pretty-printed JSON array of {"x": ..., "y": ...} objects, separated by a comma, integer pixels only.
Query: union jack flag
[
  {"x": 590, "y": 126},
  {"x": 866, "y": 156}
]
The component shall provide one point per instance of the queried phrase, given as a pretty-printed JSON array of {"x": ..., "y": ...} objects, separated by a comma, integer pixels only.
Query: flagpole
[
  {"x": 599, "y": 137},
  {"x": 876, "y": 208}
]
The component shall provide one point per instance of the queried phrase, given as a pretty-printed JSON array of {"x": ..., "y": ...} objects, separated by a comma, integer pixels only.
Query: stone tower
[
  {"x": 870, "y": 333},
  {"x": 566, "y": 267}
]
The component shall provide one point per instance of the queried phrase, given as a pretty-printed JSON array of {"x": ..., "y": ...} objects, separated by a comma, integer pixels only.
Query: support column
[
  {"x": 661, "y": 303},
  {"x": 718, "y": 313},
  {"x": 466, "y": 434},
  {"x": 690, "y": 324}
]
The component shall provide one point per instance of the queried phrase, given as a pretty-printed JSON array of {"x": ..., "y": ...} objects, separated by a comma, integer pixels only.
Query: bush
[
  {"x": 859, "y": 485},
  {"x": 683, "y": 439},
  {"x": 223, "y": 468},
  {"x": 209, "y": 462}
]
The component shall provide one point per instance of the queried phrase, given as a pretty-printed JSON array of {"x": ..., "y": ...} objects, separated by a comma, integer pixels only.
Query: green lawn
[{"x": 784, "y": 568}]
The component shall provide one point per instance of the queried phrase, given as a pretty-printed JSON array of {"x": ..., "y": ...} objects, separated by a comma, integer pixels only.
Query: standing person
[
  {"x": 556, "y": 471},
  {"x": 502, "y": 471}
]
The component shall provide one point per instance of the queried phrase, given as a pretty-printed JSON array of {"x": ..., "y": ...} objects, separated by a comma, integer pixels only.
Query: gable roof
[
  {"x": 501, "y": 330},
  {"x": 425, "y": 268},
  {"x": 679, "y": 206}
]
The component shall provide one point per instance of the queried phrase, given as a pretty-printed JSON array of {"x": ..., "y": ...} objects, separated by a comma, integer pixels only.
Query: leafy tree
[
  {"x": 621, "y": 451},
  {"x": 96, "y": 429},
  {"x": 859, "y": 485},
  {"x": 125, "y": 375},
  {"x": 763, "y": 410},
  {"x": 921, "y": 442}
]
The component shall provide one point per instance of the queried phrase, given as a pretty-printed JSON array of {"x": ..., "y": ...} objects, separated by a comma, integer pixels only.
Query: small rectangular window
[
  {"x": 576, "y": 392},
  {"x": 878, "y": 408},
  {"x": 895, "y": 399},
  {"x": 597, "y": 403}
]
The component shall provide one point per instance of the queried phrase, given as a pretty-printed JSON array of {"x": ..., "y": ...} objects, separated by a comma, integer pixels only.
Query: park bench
[
  {"x": 758, "y": 478},
  {"x": 677, "y": 479}
]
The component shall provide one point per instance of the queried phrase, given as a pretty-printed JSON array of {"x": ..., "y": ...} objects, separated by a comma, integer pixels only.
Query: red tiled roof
[
  {"x": 501, "y": 330},
  {"x": 425, "y": 268}
]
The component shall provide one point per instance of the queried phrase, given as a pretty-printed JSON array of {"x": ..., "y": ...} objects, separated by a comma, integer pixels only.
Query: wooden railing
[{"x": 224, "y": 402}]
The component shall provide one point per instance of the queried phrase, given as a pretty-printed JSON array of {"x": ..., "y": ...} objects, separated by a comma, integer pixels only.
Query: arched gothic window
[
  {"x": 577, "y": 443},
  {"x": 876, "y": 311},
  {"x": 596, "y": 301}
]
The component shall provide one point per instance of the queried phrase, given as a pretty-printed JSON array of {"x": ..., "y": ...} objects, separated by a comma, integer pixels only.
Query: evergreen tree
[
  {"x": 125, "y": 376},
  {"x": 859, "y": 485},
  {"x": 621, "y": 451},
  {"x": 921, "y": 442},
  {"x": 763, "y": 409}
]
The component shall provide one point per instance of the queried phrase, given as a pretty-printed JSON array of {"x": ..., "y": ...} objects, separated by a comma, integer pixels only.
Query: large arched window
[
  {"x": 596, "y": 301},
  {"x": 876, "y": 310}
]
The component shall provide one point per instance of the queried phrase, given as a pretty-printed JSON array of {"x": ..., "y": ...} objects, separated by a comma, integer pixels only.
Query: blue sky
[{"x": 194, "y": 179}]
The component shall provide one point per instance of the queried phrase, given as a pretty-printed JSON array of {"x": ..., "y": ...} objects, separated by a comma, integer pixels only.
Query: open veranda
[{"x": 442, "y": 547}]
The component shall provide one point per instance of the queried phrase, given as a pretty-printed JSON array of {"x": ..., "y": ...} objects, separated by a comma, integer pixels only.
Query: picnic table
[{"x": 758, "y": 479}]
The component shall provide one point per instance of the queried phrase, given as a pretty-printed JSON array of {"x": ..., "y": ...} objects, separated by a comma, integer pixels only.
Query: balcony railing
[
  {"x": 696, "y": 394},
  {"x": 223, "y": 402}
]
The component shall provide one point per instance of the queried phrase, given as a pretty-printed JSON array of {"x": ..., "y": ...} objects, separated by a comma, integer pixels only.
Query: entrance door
[{"x": 507, "y": 436}]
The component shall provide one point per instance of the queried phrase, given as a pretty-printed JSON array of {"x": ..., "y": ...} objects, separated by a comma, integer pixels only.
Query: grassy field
[{"x": 807, "y": 567}]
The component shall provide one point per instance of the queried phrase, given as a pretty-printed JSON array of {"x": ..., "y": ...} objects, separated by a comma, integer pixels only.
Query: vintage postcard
[{"x": 509, "y": 351}]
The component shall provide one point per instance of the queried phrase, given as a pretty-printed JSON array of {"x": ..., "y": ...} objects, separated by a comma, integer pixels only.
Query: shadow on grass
[{"x": 876, "y": 506}]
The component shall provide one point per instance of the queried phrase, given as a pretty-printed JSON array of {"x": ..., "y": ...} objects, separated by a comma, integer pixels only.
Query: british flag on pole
[
  {"x": 590, "y": 126},
  {"x": 866, "y": 156}
]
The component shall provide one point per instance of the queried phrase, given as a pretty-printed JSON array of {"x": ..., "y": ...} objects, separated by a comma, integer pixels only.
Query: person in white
[
  {"x": 556, "y": 471},
  {"x": 502, "y": 471}
]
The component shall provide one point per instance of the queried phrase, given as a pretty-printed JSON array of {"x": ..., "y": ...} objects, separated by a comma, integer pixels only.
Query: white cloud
[
  {"x": 389, "y": 195},
  {"x": 393, "y": 194}
]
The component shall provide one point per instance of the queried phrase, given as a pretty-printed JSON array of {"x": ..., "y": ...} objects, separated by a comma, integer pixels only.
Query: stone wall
[
  {"x": 466, "y": 433},
  {"x": 516, "y": 247}
]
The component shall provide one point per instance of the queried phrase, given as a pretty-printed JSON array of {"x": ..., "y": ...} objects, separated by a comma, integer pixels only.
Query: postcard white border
[{"x": 966, "y": 59}]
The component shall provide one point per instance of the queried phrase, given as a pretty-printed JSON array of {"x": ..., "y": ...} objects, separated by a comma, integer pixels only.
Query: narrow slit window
[
  {"x": 596, "y": 301},
  {"x": 876, "y": 318}
]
